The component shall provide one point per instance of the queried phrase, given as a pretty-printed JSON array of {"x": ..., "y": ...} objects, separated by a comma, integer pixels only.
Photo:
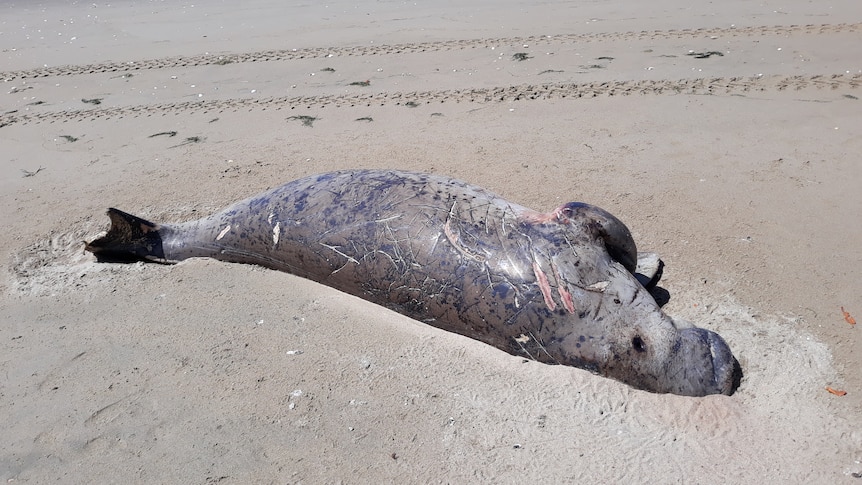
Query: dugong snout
[{"x": 704, "y": 363}]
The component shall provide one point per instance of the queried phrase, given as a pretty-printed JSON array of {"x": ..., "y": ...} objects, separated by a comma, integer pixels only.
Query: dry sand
[{"x": 741, "y": 167}]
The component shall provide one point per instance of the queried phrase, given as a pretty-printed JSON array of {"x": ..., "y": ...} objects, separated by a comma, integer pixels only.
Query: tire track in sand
[
  {"x": 524, "y": 92},
  {"x": 369, "y": 50}
]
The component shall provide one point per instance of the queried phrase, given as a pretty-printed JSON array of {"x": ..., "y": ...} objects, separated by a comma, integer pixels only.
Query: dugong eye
[{"x": 638, "y": 344}]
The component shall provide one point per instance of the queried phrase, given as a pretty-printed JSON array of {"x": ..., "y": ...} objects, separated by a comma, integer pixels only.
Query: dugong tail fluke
[{"x": 130, "y": 238}]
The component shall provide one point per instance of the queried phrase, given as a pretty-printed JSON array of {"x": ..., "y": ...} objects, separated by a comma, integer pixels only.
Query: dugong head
[
  {"x": 627, "y": 337},
  {"x": 619, "y": 330},
  {"x": 657, "y": 354}
]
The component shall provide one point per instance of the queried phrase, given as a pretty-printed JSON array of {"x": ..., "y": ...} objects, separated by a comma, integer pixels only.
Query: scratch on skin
[
  {"x": 542, "y": 346},
  {"x": 350, "y": 259},
  {"x": 490, "y": 280},
  {"x": 565, "y": 295},
  {"x": 455, "y": 239},
  {"x": 394, "y": 264},
  {"x": 434, "y": 245},
  {"x": 397, "y": 253},
  {"x": 523, "y": 339},
  {"x": 392, "y": 218},
  {"x": 544, "y": 286},
  {"x": 222, "y": 233},
  {"x": 515, "y": 267},
  {"x": 488, "y": 217}
]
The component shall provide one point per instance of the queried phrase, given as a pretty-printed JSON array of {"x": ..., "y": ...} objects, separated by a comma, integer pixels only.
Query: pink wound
[
  {"x": 544, "y": 286},
  {"x": 566, "y": 296}
]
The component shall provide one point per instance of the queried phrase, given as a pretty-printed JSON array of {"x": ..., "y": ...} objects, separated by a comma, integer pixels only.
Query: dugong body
[{"x": 556, "y": 287}]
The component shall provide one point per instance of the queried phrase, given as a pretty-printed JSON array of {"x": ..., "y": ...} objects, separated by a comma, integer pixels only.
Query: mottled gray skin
[{"x": 556, "y": 287}]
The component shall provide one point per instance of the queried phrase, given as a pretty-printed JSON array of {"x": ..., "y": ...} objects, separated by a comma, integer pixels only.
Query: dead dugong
[{"x": 557, "y": 287}]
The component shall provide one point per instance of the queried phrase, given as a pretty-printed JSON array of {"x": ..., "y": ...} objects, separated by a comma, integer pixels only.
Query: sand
[{"x": 727, "y": 135}]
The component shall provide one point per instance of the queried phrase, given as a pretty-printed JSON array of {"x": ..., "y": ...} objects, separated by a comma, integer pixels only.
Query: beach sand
[{"x": 726, "y": 135}]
